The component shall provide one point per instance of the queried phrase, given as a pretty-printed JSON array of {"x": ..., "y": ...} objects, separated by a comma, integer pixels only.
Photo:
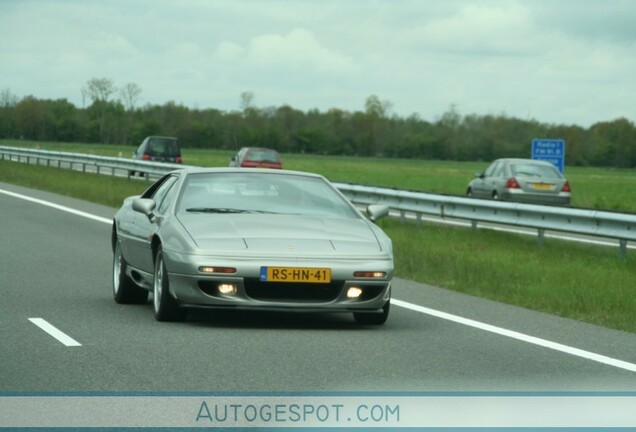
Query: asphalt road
[{"x": 55, "y": 270}]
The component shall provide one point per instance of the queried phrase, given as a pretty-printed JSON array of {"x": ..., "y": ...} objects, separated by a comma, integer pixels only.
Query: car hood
[{"x": 280, "y": 234}]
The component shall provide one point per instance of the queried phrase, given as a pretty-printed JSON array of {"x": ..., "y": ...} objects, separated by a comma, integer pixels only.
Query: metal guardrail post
[{"x": 622, "y": 248}]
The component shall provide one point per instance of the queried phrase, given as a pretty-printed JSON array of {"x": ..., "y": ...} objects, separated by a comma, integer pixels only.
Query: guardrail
[
  {"x": 619, "y": 226},
  {"x": 80, "y": 160},
  {"x": 596, "y": 223}
]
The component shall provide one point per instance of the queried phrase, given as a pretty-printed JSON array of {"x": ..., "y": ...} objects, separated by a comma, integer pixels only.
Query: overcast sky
[{"x": 555, "y": 61}]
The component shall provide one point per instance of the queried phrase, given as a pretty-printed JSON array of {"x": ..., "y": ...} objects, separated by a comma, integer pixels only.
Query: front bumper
[{"x": 194, "y": 289}]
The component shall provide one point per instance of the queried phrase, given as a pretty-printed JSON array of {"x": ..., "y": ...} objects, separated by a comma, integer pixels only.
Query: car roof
[
  {"x": 521, "y": 160},
  {"x": 260, "y": 148},
  {"x": 163, "y": 137}
]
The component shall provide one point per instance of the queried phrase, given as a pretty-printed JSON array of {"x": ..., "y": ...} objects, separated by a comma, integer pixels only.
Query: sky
[{"x": 554, "y": 61}]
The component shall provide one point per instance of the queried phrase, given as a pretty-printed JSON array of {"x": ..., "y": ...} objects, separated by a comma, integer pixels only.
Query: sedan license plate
[
  {"x": 296, "y": 274},
  {"x": 542, "y": 186}
]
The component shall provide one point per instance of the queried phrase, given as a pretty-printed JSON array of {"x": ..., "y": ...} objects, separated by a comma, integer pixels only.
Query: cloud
[
  {"x": 502, "y": 29},
  {"x": 297, "y": 51},
  {"x": 565, "y": 61}
]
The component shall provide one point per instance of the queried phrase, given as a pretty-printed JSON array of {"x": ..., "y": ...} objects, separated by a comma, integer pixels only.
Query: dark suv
[{"x": 159, "y": 149}]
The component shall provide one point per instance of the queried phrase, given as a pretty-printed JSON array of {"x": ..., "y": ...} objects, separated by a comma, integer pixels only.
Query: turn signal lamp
[
  {"x": 369, "y": 274},
  {"x": 211, "y": 269}
]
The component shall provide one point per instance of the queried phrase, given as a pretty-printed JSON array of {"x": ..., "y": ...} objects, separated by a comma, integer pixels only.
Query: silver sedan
[
  {"x": 251, "y": 239},
  {"x": 521, "y": 180}
]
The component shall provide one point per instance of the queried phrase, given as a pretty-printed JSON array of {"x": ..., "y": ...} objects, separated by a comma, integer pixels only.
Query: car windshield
[
  {"x": 535, "y": 170},
  {"x": 233, "y": 193},
  {"x": 164, "y": 147}
]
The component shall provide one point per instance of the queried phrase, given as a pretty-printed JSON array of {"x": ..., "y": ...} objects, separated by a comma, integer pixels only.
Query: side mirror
[
  {"x": 377, "y": 211},
  {"x": 479, "y": 175},
  {"x": 145, "y": 206}
]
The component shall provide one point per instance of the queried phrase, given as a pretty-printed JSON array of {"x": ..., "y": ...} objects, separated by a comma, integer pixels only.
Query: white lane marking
[
  {"x": 519, "y": 336},
  {"x": 59, "y": 207},
  {"x": 56, "y": 333}
]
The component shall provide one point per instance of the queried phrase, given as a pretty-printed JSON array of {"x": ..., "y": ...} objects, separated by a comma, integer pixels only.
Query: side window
[
  {"x": 161, "y": 193},
  {"x": 491, "y": 169},
  {"x": 152, "y": 190},
  {"x": 167, "y": 199},
  {"x": 499, "y": 170}
]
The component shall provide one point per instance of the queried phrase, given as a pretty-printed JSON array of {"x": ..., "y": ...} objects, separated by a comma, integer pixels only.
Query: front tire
[
  {"x": 125, "y": 291},
  {"x": 165, "y": 306},
  {"x": 373, "y": 318}
]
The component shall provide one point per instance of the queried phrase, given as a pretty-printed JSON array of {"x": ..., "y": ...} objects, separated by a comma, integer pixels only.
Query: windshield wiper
[
  {"x": 222, "y": 210},
  {"x": 214, "y": 210}
]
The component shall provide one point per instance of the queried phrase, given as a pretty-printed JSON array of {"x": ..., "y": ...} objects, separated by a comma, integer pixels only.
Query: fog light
[
  {"x": 227, "y": 288},
  {"x": 354, "y": 292}
]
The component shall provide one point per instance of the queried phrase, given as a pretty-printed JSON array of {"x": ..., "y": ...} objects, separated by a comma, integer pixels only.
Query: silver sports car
[{"x": 251, "y": 239}]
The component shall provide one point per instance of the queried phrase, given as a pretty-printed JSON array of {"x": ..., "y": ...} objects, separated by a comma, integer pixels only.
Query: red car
[{"x": 256, "y": 157}]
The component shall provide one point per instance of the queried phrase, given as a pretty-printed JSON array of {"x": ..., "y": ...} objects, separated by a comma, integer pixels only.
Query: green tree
[
  {"x": 371, "y": 131},
  {"x": 129, "y": 95},
  {"x": 8, "y": 103},
  {"x": 31, "y": 119},
  {"x": 64, "y": 119},
  {"x": 99, "y": 91}
]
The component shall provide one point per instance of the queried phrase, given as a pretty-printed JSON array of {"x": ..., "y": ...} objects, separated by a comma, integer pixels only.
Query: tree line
[{"x": 110, "y": 115}]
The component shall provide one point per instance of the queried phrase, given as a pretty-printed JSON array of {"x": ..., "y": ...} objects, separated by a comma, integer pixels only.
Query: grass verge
[
  {"x": 584, "y": 282},
  {"x": 101, "y": 189},
  {"x": 587, "y": 283}
]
